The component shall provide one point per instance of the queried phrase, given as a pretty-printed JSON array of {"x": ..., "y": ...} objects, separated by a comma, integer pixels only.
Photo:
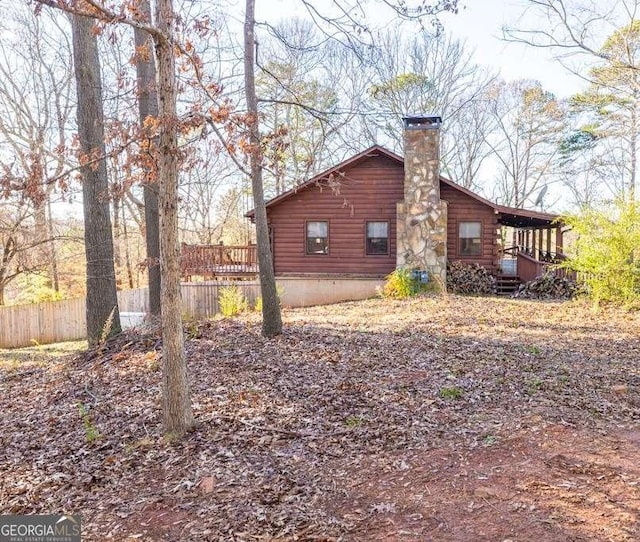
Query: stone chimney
[{"x": 422, "y": 217}]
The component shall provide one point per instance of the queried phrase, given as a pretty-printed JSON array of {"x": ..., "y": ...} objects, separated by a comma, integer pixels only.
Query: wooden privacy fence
[
  {"x": 42, "y": 323},
  {"x": 57, "y": 321},
  {"x": 201, "y": 299}
]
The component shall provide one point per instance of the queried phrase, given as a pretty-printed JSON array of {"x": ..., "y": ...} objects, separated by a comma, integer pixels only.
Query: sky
[{"x": 480, "y": 24}]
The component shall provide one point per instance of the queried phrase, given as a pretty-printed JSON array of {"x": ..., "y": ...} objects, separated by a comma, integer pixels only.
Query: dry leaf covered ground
[{"x": 445, "y": 419}]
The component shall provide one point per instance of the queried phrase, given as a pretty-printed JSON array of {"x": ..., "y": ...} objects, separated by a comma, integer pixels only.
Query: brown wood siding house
[
  {"x": 463, "y": 208},
  {"x": 367, "y": 188},
  {"x": 368, "y": 191}
]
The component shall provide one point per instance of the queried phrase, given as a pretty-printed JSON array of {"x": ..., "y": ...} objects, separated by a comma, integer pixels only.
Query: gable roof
[
  {"x": 511, "y": 216},
  {"x": 375, "y": 150}
]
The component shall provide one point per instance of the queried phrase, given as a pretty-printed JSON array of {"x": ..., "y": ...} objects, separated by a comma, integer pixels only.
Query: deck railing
[
  {"x": 529, "y": 268},
  {"x": 212, "y": 261}
]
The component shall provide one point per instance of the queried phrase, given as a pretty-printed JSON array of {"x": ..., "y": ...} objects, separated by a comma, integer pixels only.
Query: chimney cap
[{"x": 422, "y": 121}]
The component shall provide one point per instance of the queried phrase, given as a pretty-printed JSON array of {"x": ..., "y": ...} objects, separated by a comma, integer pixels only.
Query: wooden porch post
[
  {"x": 549, "y": 242},
  {"x": 533, "y": 243},
  {"x": 497, "y": 252},
  {"x": 559, "y": 240},
  {"x": 540, "y": 232}
]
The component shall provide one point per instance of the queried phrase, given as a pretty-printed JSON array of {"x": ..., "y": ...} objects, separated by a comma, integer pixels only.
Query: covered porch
[{"x": 532, "y": 243}]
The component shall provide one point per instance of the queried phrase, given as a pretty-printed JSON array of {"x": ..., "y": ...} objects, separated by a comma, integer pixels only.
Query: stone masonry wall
[{"x": 422, "y": 217}]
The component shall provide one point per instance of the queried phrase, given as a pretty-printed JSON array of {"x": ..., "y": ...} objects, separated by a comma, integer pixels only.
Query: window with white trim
[
  {"x": 317, "y": 237},
  {"x": 469, "y": 238},
  {"x": 377, "y": 238}
]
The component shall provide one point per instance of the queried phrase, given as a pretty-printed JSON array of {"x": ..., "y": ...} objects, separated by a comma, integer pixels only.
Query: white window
[
  {"x": 317, "y": 237},
  {"x": 470, "y": 239},
  {"x": 377, "y": 238}
]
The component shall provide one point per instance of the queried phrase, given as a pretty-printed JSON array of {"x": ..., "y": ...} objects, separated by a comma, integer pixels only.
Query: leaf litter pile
[{"x": 440, "y": 418}]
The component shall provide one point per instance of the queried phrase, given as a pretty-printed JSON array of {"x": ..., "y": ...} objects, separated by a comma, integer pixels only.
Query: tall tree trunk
[
  {"x": 41, "y": 233},
  {"x": 148, "y": 107},
  {"x": 634, "y": 153},
  {"x": 271, "y": 317},
  {"x": 117, "y": 239},
  {"x": 178, "y": 416},
  {"x": 127, "y": 252},
  {"x": 53, "y": 253},
  {"x": 102, "y": 302}
]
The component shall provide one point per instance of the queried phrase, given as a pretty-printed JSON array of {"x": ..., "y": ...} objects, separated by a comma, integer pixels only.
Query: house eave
[
  {"x": 371, "y": 152},
  {"x": 510, "y": 216}
]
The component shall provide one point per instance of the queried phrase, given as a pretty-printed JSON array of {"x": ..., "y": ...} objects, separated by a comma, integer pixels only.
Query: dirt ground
[{"x": 435, "y": 419}]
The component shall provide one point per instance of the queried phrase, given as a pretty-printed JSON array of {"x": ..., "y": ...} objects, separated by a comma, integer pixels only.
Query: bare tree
[
  {"x": 177, "y": 411},
  {"x": 573, "y": 29},
  {"x": 102, "y": 302},
  {"x": 271, "y": 316},
  {"x": 467, "y": 148},
  {"x": 148, "y": 111},
  {"x": 529, "y": 124},
  {"x": 19, "y": 242},
  {"x": 434, "y": 73},
  {"x": 231, "y": 222},
  {"x": 299, "y": 96},
  {"x": 35, "y": 114},
  {"x": 178, "y": 414},
  {"x": 605, "y": 37},
  {"x": 203, "y": 219}
]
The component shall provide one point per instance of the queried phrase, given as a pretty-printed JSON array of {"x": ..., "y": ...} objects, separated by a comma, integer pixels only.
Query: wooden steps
[{"x": 506, "y": 284}]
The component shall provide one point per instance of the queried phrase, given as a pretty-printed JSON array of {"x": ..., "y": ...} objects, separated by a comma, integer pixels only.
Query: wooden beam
[
  {"x": 540, "y": 232},
  {"x": 559, "y": 240},
  {"x": 549, "y": 241},
  {"x": 533, "y": 243}
]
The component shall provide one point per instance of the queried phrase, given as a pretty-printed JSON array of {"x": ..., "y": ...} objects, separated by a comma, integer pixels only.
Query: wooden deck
[
  {"x": 241, "y": 262},
  {"x": 218, "y": 261},
  {"x": 528, "y": 264}
]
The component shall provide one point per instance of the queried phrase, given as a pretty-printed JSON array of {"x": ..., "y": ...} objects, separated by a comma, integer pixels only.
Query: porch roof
[
  {"x": 509, "y": 216},
  {"x": 522, "y": 218}
]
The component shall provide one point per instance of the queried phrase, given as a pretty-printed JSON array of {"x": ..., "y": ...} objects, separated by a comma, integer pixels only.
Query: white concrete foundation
[{"x": 306, "y": 291}]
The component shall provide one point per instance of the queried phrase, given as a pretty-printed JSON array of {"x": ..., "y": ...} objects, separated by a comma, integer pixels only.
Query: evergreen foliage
[{"x": 606, "y": 253}]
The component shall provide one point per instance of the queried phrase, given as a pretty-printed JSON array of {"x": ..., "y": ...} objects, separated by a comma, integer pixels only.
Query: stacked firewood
[
  {"x": 470, "y": 279},
  {"x": 547, "y": 286}
]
